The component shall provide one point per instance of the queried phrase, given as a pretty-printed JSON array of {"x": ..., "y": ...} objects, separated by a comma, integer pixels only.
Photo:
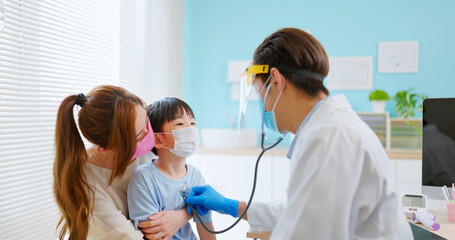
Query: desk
[
  {"x": 258, "y": 235},
  {"x": 447, "y": 229}
]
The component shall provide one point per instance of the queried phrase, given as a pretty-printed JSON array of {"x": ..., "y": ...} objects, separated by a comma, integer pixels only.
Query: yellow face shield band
[
  {"x": 252, "y": 70},
  {"x": 246, "y": 85}
]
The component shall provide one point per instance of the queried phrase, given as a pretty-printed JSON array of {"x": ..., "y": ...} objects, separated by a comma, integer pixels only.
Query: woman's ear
[
  {"x": 101, "y": 149},
  {"x": 104, "y": 150},
  {"x": 158, "y": 140}
]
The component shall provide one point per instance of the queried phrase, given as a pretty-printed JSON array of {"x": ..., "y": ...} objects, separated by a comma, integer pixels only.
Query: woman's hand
[{"x": 163, "y": 225}]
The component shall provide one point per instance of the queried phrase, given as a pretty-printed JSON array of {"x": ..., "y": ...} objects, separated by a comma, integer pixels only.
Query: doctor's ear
[
  {"x": 277, "y": 78},
  {"x": 158, "y": 140}
]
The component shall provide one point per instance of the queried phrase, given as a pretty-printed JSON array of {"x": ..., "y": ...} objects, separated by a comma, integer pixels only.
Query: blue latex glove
[
  {"x": 207, "y": 197},
  {"x": 199, "y": 208}
]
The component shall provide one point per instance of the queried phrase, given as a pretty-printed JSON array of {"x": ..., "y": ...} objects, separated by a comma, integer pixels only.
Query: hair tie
[{"x": 80, "y": 99}]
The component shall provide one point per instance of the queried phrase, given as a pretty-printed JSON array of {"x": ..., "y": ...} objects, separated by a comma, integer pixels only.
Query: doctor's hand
[{"x": 208, "y": 198}]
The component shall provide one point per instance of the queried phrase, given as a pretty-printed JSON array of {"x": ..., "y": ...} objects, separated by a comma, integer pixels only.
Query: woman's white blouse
[{"x": 110, "y": 209}]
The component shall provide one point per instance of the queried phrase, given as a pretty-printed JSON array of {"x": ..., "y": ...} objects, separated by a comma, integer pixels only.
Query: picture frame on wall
[
  {"x": 350, "y": 73},
  {"x": 398, "y": 57}
]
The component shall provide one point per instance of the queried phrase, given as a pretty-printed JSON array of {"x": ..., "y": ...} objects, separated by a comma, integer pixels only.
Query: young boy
[{"x": 158, "y": 184}]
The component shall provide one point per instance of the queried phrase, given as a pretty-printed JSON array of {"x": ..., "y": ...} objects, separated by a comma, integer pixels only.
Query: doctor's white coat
[{"x": 340, "y": 185}]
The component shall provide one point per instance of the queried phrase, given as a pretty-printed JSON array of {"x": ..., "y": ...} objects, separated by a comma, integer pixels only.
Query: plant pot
[{"x": 378, "y": 106}]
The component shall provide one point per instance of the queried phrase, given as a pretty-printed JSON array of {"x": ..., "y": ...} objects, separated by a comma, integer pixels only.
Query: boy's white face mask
[{"x": 186, "y": 141}]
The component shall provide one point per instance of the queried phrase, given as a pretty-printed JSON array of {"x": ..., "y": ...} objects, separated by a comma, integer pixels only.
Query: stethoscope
[{"x": 184, "y": 191}]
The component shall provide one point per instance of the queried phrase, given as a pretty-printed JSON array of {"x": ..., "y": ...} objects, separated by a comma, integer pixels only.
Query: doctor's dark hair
[
  {"x": 296, "y": 48},
  {"x": 166, "y": 110},
  {"x": 106, "y": 118}
]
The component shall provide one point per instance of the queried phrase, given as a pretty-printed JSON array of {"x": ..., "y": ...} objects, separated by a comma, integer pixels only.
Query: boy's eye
[
  {"x": 193, "y": 123},
  {"x": 179, "y": 124}
]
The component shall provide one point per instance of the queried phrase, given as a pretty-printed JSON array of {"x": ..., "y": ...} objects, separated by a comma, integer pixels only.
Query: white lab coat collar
[
  {"x": 307, "y": 118},
  {"x": 323, "y": 107}
]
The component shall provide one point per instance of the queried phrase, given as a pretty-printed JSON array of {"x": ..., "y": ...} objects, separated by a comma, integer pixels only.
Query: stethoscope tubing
[{"x": 252, "y": 191}]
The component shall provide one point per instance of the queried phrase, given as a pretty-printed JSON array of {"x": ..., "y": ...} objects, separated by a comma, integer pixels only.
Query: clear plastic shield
[{"x": 245, "y": 91}]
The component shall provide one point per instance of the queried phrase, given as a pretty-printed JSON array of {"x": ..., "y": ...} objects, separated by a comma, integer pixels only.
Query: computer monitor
[{"x": 438, "y": 146}]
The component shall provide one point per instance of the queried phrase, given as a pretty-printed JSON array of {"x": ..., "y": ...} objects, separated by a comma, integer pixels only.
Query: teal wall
[{"x": 218, "y": 31}]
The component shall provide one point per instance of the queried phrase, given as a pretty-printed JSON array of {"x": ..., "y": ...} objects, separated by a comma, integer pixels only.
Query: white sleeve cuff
[{"x": 263, "y": 216}]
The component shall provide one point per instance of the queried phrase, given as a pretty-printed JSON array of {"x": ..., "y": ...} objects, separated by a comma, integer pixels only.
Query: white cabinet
[
  {"x": 408, "y": 175},
  {"x": 232, "y": 176}
]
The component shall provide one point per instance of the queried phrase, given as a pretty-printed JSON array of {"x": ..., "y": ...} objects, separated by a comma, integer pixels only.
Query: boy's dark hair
[
  {"x": 295, "y": 48},
  {"x": 166, "y": 110}
]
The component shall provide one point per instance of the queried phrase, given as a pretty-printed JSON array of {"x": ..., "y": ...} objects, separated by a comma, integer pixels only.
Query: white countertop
[{"x": 282, "y": 151}]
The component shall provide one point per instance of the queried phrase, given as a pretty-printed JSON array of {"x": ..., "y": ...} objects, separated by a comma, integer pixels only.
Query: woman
[
  {"x": 90, "y": 185},
  {"x": 340, "y": 186}
]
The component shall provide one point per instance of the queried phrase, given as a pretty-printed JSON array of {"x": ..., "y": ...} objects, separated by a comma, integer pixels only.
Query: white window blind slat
[
  {"x": 48, "y": 46},
  {"x": 30, "y": 23},
  {"x": 16, "y": 139},
  {"x": 24, "y": 120},
  {"x": 20, "y": 128},
  {"x": 29, "y": 67},
  {"x": 41, "y": 227},
  {"x": 31, "y": 172},
  {"x": 30, "y": 152},
  {"x": 33, "y": 216},
  {"x": 45, "y": 80},
  {"x": 52, "y": 14},
  {"x": 9, "y": 145},
  {"x": 25, "y": 102},
  {"x": 32, "y": 187},
  {"x": 26, "y": 32},
  {"x": 46, "y": 60},
  {"x": 26, "y": 114},
  {"x": 30, "y": 205},
  {"x": 37, "y": 225},
  {"x": 28, "y": 193},
  {"x": 23, "y": 158},
  {"x": 25, "y": 161}
]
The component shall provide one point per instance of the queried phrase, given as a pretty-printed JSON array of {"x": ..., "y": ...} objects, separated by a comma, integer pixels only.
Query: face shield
[
  {"x": 247, "y": 80},
  {"x": 246, "y": 86}
]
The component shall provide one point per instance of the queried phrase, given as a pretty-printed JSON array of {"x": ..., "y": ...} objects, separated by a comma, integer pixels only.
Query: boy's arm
[
  {"x": 142, "y": 201},
  {"x": 203, "y": 234}
]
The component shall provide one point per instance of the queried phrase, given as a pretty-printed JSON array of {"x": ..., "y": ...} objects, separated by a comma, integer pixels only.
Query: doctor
[{"x": 340, "y": 185}]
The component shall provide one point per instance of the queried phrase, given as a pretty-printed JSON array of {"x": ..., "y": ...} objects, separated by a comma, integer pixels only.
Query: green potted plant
[
  {"x": 378, "y": 98},
  {"x": 406, "y": 101}
]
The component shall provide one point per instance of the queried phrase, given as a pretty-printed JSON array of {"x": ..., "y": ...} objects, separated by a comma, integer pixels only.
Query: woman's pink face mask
[{"x": 147, "y": 143}]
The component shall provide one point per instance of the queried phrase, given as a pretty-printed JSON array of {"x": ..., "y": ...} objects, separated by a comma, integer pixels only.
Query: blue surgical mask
[{"x": 268, "y": 117}]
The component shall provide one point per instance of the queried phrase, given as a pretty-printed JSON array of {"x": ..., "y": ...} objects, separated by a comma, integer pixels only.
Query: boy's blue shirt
[{"x": 150, "y": 191}]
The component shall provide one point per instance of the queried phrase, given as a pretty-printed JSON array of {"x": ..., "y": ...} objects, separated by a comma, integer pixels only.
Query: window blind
[
  {"x": 151, "y": 48},
  {"x": 51, "y": 49},
  {"x": 48, "y": 50}
]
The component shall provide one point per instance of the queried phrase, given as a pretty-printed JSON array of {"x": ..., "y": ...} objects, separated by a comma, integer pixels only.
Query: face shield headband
[{"x": 248, "y": 76}]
